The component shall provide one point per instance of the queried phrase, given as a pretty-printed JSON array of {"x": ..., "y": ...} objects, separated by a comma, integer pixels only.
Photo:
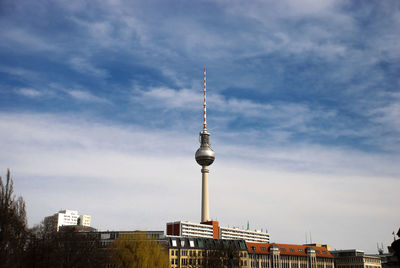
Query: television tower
[{"x": 205, "y": 156}]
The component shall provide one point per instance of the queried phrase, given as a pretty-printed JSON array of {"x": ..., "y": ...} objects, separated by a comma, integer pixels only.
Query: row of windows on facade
[
  {"x": 292, "y": 250},
  {"x": 245, "y": 235},
  {"x": 194, "y": 253},
  {"x": 358, "y": 259},
  {"x": 286, "y": 258},
  {"x": 193, "y": 231},
  {"x": 266, "y": 264},
  {"x": 198, "y": 262},
  {"x": 196, "y": 233},
  {"x": 286, "y": 262},
  {"x": 261, "y": 235},
  {"x": 190, "y": 228},
  {"x": 197, "y": 229},
  {"x": 358, "y": 266}
]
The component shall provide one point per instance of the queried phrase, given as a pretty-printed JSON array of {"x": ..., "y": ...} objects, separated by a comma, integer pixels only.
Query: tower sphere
[{"x": 205, "y": 155}]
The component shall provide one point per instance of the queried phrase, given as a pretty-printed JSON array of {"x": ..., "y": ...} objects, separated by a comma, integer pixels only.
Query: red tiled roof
[{"x": 287, "y": 249}]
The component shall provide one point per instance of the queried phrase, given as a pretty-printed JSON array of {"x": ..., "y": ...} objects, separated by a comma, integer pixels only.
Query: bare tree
[{"x": 13, "y": 226}]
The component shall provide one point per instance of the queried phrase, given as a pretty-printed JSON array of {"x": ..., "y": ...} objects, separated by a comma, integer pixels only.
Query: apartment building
[
  {"x": 264, "y": 255},
  {"x": 211, "y": 229},
  {"x": 66, "y": 218}
]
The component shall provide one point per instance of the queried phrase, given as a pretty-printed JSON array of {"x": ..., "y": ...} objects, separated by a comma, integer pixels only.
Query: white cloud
[
  {"x": 21, "y": 73},
  {"x": 84, "y": 66},
  {"x": 168, "y": 98},
  {"x": 29, "y": 92},
  {"x": 18, "y": 37},
  {"x": 85, "y": 96},
  {"x": 53, "y": 90},
  {"x": 388, "y": 112}
]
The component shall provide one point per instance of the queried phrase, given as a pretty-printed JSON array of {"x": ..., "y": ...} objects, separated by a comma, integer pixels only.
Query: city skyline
[{"x": 101, "y": 106}]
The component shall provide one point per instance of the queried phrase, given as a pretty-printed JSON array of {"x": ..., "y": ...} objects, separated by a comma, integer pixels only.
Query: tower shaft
[{"x": 205, "y": 209}]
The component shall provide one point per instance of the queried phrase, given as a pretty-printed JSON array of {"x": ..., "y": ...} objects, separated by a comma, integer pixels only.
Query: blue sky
[{"x": 100, "y": 109}]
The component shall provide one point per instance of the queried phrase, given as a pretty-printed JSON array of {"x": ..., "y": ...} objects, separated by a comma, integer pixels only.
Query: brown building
[{"x": 263, "y": 255}]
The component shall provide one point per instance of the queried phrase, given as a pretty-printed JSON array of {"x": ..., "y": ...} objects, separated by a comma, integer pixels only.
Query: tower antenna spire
[{"x": 205, "y": 101}]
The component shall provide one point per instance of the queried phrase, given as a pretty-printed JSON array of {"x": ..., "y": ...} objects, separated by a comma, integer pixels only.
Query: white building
[
  {"x": 66, "y": 217},
  {"x": 84, "y": 220},
  {"x": 211, "y": 229},
  {"x": 247, "y": 235},
  {"x": 190, "y": 229}
]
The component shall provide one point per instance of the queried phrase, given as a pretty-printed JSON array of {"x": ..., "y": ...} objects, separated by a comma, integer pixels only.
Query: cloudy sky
[{"x": 101, "y": 106}]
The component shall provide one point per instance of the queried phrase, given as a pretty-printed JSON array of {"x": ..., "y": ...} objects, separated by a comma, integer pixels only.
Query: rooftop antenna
[
  {"x": 380, "y": 250},
  {"x": 306, "y": 238}
]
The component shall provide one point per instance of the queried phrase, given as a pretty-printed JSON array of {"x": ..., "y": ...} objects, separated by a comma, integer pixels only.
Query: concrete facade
[{"x": 211, "y": 229}]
